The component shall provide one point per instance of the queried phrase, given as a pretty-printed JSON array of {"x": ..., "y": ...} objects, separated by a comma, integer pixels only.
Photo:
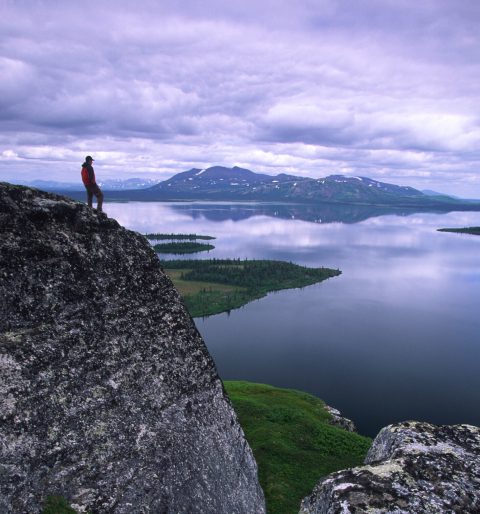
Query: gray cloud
[{"x": 382, "y": 87}]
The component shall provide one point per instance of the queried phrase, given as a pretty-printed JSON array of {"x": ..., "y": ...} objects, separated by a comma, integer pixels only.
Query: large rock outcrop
[
  {"x": 108, "y": 395},
  {"x": 411, "y": 468}
]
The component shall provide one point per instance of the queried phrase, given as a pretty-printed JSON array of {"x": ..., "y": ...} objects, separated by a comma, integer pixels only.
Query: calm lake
[{"x": 395, "y": 337}]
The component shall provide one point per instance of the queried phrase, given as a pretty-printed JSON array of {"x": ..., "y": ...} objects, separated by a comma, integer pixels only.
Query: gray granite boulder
[
  {"x": 412, "y": 468},
  {"x": 340, "y": 421},
  {"x": 108, "y": 395}
]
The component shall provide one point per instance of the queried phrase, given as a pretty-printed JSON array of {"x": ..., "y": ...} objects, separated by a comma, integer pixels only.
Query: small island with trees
[
  {"x": 177, "y": 237},
  {"x": 182, "y": 248},
  {"x": 219, "y": 285},
  {"x": 466, "y": 230},
  {"x": 180, "y": 243}
]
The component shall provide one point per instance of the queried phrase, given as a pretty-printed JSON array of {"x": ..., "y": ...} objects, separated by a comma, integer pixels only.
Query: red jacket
[{"x": 88, "y": 174}]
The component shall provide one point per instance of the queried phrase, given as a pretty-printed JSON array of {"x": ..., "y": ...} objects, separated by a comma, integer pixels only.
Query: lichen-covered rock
[
  {"x": 108, "y": 395},
  {"x": 411, "y": 468},
  {"x": 340, "y": 421}
]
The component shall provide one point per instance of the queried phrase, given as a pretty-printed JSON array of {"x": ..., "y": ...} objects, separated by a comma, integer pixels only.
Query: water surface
[{"x": 395, "y": 337}]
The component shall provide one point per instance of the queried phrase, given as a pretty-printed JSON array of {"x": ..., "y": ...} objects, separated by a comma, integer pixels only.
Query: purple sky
[{"x": 388, "y": 89}]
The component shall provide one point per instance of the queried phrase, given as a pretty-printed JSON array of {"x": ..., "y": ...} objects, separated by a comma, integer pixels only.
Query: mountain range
[
  {"x": 236, "y": 183},
  {"x": 109, "y": 185},
  {"x": 240, "y": 184}
]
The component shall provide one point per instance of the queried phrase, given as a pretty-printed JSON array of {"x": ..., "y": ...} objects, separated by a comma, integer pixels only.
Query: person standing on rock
[{"x": 88, "y": 178}]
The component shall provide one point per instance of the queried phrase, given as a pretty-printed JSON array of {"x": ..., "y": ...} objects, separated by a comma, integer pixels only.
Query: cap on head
[{"x": 89, "y": 158}]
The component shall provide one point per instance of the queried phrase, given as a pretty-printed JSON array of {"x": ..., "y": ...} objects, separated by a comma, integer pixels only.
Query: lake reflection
[{"x": 395, "y": 337}]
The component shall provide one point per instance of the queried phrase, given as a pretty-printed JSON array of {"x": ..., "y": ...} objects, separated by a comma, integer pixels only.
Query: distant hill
[
  {"x": 430, "y": 192},
  {"x": 128, "y": 184},
  {"x": 108, "y": 185}
]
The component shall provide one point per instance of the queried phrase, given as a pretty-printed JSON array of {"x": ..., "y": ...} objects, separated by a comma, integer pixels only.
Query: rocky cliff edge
[{"x": 108, "y": 395}]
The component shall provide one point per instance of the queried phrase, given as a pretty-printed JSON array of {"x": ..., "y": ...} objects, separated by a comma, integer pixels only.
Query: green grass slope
[{"x": 293, "y": 443}]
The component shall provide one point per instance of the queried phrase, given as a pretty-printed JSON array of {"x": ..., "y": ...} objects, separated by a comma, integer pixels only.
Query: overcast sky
[{"x": 387, "y": 89}]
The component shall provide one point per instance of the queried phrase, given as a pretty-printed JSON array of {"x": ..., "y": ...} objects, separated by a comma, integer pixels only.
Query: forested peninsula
[{"x": 220, "y": 285}]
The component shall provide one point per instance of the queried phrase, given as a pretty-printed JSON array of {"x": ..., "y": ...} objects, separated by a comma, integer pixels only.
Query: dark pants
[{"x": 93, "y": 189}]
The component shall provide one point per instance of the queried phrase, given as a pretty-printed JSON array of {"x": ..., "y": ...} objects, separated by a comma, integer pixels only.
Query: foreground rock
[
  {"x": 108, "y": 395},
  {"x": 411, "y": 468}
]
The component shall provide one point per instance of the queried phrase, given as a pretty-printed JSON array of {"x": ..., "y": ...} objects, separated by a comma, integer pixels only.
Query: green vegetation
[
  {"x": 57, "y": 505},
  {"x": 465, "y": 230},
  {"x": 219, "y": 285},
  {"x": 293, "y": 443},
  {"x": 177, "y": 237},
  {"x": 180, "y": 248}
]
